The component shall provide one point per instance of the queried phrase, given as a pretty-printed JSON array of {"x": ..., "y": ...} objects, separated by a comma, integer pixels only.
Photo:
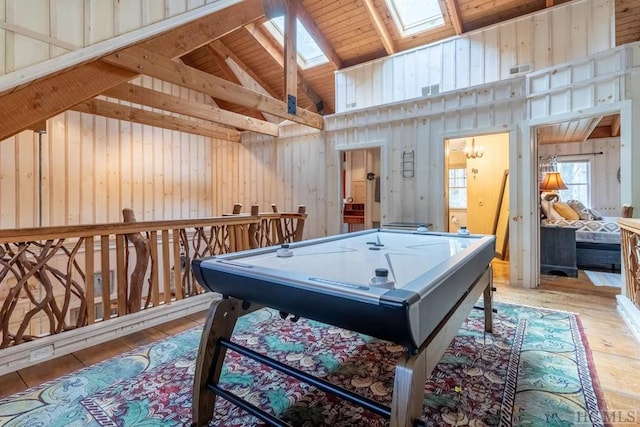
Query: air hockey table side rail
[{"x": 406, "y": 315}]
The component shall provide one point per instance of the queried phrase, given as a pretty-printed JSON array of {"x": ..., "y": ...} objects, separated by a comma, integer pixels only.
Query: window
[
  {"x": 415, "y": 16},
  {"x": 577, "y": 175},
  {"x": 458, "y": 188},
  {"x": 309, "y": 53}
]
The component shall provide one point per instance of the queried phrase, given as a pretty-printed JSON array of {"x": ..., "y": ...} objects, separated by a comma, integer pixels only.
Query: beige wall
[{"x": 483, "y": 186}]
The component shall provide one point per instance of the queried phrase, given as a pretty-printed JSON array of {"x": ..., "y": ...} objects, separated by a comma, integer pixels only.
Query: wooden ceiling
[{"x": 234, "y": 60}]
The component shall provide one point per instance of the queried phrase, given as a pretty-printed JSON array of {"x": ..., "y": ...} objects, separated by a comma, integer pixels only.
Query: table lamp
[{"x": 552, "y": 182}]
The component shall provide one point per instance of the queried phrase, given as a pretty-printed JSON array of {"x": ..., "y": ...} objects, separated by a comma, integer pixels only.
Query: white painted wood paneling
[
  {"x": 585, "y": 83},
  {"x": 543, "y": 39},
  {"x": 421, "y": 126},
  {"x": 32, "y": 31}
]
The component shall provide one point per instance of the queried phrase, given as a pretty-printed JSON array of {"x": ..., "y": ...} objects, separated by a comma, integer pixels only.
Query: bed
[{"x": 597, "y": 242}]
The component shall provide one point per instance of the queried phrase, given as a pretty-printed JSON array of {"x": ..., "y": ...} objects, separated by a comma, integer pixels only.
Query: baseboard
[
  {"x": 52, "y": 346},
  {"x": 630, "y": 314}
]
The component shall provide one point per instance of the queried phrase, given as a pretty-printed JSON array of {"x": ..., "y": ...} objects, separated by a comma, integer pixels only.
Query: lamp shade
[{"x": 552, "y": 181}]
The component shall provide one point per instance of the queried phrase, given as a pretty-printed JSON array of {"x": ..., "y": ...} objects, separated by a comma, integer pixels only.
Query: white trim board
[
  {"x": 630, "y": 314},
  {"x": 52, "y": 346}
]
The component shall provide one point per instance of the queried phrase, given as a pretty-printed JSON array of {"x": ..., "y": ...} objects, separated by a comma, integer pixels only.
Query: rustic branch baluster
[
  {"x": 11, "y": 299},
  {"x": 185, "y": 267},
  {"x": 73, "y": 286},
  {"x": 629, "y": 230},
  {"x": 38, "y": 270},
  {"x": 141, "y": 245}
]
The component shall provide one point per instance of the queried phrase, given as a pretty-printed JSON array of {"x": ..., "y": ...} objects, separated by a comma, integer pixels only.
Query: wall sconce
[
  {"x": 474, "y": 151},
  {"x": 474, "y": 171}
]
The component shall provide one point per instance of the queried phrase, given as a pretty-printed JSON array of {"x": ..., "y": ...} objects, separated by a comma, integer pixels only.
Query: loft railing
[
  {"x": 630, "y": 239},
  {"x": 56, "y": 279}
]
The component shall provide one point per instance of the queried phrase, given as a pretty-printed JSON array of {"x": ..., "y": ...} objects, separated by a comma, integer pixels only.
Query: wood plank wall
[
  {"x": 296, "y": 168},
  {"x": 605, "y": 194},
  {"x": 32, "y": 31},
  {"x": 540, "y": 40},
  {"x": 93, "y": 167}
]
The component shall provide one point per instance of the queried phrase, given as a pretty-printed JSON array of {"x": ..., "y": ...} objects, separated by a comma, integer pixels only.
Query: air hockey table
[{"x": 408, "y": 287}]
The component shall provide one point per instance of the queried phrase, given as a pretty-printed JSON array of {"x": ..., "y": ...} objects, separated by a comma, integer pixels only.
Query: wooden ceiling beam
[
  {"x": 263, "y": 40},
  {"x": 378, "y": 25},
  {"x": 454, "y": 14},
  {"x": 599, "y": 132},
  {"x": 221, "y": 49},
  {"x": 193, "y": 35},
  {"x": 319, "y": 37},
  {"x": 163, "y": 68},
  {"x": 226, "y": 70},
  {"x": 244, "y": 75},
  {"x": 230, "y": 74},
  {"x": 549, "y": 3},
  {"x": 258, "y": 33},
  {"x": 290, "y": 95},
  {"x": 47, "y": 97},
  {"x": 152, "y": 98},
  {"x": 615, "y": 125},
  {"x": 116, "y": 111}
]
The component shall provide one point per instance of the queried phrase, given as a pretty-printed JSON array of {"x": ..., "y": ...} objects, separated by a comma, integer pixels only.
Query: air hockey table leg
[
  {"x": 220, "y": 322},
  {"x": 408, "y": 389},
  {"x": 488, "y": 303},
  {"x": 412, "y": 369}
]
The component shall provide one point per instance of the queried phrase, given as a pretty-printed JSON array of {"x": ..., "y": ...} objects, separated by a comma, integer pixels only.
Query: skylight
[
  {"x": 415, "y": 16},
  {"x": 309, "y": 53}
]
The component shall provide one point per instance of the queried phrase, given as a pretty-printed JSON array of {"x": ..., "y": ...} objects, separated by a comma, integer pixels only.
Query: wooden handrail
[
  {"x": 69, "y": 231},
  {"x": 54, "y": 279},
  {"x": 631, "y": 224}
]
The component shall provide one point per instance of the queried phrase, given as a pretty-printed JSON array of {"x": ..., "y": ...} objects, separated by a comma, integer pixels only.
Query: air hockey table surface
[{"x": 334, "y": 279}]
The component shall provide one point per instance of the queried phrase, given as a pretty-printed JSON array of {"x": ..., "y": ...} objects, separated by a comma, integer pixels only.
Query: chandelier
[{"x": 473, "y": 151}]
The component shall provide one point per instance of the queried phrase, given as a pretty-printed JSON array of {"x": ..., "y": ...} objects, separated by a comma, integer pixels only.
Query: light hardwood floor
[{"x": 615, "y": 351}]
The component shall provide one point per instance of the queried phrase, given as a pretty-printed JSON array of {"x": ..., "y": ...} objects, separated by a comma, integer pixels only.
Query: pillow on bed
[
  {"x": 566, "y": 211},
  {"x": 549, "y": 211},
  {"x": 581, "y": 210},
  {"x": 595, "y": 214}
]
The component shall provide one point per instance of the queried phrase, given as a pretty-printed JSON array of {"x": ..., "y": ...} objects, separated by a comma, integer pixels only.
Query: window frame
[
  {"x": 453, "y": 179},
  {"x": 417, "y": 27},
  {"x": 589, "y": 184},
  {"x": 277, "y": 32}
]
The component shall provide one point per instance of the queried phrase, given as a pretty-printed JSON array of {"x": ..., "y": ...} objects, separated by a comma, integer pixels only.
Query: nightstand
[{"x": 558, "y": 251}]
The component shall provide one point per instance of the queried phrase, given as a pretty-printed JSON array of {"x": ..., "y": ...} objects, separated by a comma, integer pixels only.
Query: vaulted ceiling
[{"x": 230, "y": 57}]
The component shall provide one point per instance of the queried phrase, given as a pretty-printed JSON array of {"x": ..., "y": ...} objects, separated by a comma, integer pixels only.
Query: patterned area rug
[
  {"x": 602, "y": 278},
  {"x": 535, "y": 369}
]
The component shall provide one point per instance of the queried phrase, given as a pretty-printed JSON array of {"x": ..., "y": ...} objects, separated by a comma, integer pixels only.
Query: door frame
[{"x": 381, "y": 145}]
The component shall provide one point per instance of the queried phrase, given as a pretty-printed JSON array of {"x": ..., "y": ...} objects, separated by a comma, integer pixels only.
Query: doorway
[
  {"x": 579, "y": 246},
  {"x": 360, "y": 189},
  {"x": 476, "y": 186}
]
